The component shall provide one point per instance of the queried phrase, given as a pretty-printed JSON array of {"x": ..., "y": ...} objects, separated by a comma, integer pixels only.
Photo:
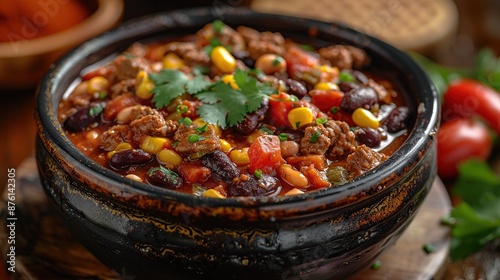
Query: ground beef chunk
[
  {"x": 316, "y": 141},
  {"x": 342, "y": 138},
  {"x": 128, "y": 67},
  {"x": 260, "y": 43},
  {"x": 137, "y": 50},
  {"x": 122, "y": 87},
  {"x": 153, "y": 125},
  {"x": 207, "y": 141},
  {"x": 135, "y": 112},
  {"x": 196, "y": 57},
  {"x": 248, "y": 185},
  {"x": 344, "y": 57},
  {"x": 116, "y": 135},
  {"x": 362, "y": 160},
  {"x": 226, "y": 35}
]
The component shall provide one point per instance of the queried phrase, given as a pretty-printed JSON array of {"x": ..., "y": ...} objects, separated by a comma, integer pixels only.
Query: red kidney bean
[
  {"x": 368, "y": 136},
  {"x": 361, "y": 97},
  {"x": 252, "y": 186},
  {"x": 84, "y": 117},
  {"x": 223, "y": 169},
  {"x": 252, "y": 121},
  {"x": 398, "y": 119},
  {"x": 164, "y": 177},
  {"x": 127, "y": 158},
  {"x": 296, "y": 88}
]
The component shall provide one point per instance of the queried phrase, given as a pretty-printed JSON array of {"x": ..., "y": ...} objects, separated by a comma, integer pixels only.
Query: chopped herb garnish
[
  {"x": 95, "y": 110},
  {"x": 225, "y": 106},
  {"x": 334, "y": 109},
  {"x": 214, "y": 42},
  {"x": 321, "y": 121},
  {"x": 283, "y": 137},
  {"x": 447, "y": 221},
  {"x": 376, "y": 265},
  {"x": 181, "y": 108},
  {"x": 102, "y": 95},
  {"x": 294, "y": 98},
  {"x": 185, "y": 121},
  {"x": 266, "y": 129},
  {"x": 345, "y": 76},
  {"x": 175, "y": 143},
  {"x": 297, "y": 124},
  {"x": 306, "y": 47},
  {"x": 257, "y": 173},
  {"x": 218, "y": 25},
  {"x": 170, "y": 84},
  {"x": 315, "y": 137},
  {"x": 201, "y": 129},
  {"x": 277, "y": 61},
  {"x": 128, "y": 55},
  {"x": 193, "y": 138},
  {"x": 429, "y": 248}
]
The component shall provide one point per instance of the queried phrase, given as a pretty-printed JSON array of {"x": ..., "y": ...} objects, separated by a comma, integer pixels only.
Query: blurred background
[{"x": 450, "y": 32}]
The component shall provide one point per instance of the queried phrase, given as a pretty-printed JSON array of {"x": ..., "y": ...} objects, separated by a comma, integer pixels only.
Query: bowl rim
[
  {"x": 426, "y": 121},
  {"x": 106, "y": 15}
]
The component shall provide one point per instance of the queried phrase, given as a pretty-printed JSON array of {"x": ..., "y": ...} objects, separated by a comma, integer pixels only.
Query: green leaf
[
  {"x": 170, "y": 84},
  {"x": 477, "y": 217},
  {"x": 225, "y": 106},
  {"x": 487, "y": 68}
]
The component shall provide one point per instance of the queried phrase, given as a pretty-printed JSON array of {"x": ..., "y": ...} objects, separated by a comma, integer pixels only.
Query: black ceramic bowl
[{"x": 138, "y": 229}]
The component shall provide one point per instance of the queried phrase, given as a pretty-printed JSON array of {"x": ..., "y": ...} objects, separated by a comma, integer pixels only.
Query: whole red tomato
[{"x": 459, "y": 140}]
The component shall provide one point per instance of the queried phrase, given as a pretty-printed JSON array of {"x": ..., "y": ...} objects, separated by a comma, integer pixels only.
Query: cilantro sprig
[
  {"x": 226, "y": 106},
  {"x": 477, "y": 217},
  {"x": 170, "y": 84}
]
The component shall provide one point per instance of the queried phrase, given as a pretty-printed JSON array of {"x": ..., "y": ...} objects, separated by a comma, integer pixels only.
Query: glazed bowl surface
[{"x": 147, "y": 232}]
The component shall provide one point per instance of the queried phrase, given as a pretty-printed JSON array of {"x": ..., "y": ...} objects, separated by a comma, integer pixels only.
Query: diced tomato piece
[
  {"x": 279, "y": 106},
  {"x": 316, "y": 179},
  {"x": 193, "y": 172},
  {"x": 326, "y": 99},
  {"x": 265, "y": 154},
  {"x": 340, "y": 115},
  {"x": 296, "y": 55},
  {"x": 317, "y": 161}
]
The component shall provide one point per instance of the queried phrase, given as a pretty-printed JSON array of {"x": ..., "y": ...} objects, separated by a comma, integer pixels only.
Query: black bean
[
  {"x": 245, "y": 58},
  {"x": 163, "y": 177},
  {"x": 347, "y": 86},
  {"x": 223, "y": 169},
  {"x": 251, "y": 186},
  {"x": 296, "y": 88},
  {"x": 84, "y": 117},
  {"x": 127, "y": 158},
  {"x": 398, "y": 119},
  {"x": 368, "y": 136},
  {"x": 361, "y": 97},
  {"x": 252, "y": 121}
]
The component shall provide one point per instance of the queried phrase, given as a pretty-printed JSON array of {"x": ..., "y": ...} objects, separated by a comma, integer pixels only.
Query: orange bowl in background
[{"x": 45, "y": 30}]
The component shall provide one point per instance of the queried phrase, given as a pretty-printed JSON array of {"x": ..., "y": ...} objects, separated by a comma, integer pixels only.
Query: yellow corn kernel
[
  {"x": 365, "y": 118},
  {"x": 326, "y": 86},
  {"x": 144, "y": 85},
  {"x": 240, "y": 157},
  {"x": 97, "y": 84},
  {"x": 294, "y": 191},
  {"x": 121, "y": 147},
  {"x": 225, "y": 146},
  {"x": 300, "y": 116},
  {"x": 152, "y": 144},
  {"x": 229, "y": 80},
  {"x": 213, "y": 194},
  {"x": 169, "y": 157},
  {"x": 172, "y": 61},
  {"x": 327, "y": 73},
  {"x": 223, "y": 59}
]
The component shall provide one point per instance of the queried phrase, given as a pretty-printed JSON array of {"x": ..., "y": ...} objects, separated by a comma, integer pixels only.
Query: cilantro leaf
[
  {"x": 477, "y": 217},
  {"x": 170, "y": 84},
  {"x": 225, "y": 106}
]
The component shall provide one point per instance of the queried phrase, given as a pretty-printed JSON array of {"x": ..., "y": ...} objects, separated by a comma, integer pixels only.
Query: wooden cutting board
[{"x": 46, "y": 250}]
